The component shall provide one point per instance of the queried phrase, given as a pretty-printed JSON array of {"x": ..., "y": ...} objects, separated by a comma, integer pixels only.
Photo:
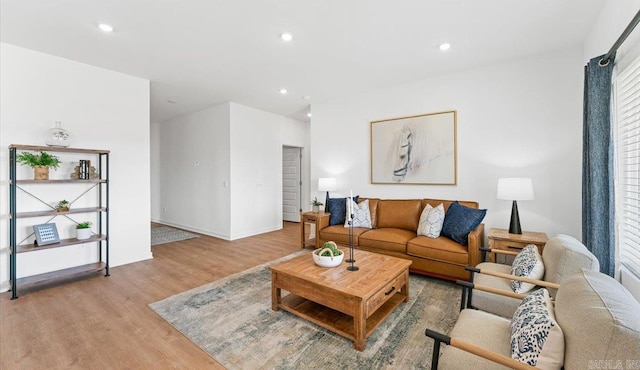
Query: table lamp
[
  {"x": 514, "y": 189},
  {"x": 327, "y": 184}
]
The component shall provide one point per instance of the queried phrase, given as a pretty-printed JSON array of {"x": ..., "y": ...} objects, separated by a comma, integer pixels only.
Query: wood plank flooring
[{"x": 105, "y": 323}]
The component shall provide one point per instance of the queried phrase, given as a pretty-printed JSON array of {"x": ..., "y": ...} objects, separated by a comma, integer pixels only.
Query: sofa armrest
[
  {"x": 471, "y": 348},
  {"x": 474, "y": 243}
]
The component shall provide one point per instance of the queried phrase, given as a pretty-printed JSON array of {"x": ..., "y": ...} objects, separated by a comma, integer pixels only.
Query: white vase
[
  {"x": 57, "y": 136},
  {"x": 83, "y": 234}
]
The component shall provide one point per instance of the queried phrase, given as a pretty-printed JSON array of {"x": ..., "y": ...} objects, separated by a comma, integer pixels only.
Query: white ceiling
[{"x": 202, "y": 53}]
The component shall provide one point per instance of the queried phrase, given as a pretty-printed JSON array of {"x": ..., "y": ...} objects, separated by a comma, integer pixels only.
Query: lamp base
[
  {"x": 326, "y": 203},
  {"x": 514, "y": 226}
]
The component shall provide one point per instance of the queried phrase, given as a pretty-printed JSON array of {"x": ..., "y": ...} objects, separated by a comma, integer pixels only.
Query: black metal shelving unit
[{"x": 102, "y": 209}]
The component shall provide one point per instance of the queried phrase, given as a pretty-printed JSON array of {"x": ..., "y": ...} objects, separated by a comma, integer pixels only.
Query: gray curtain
[{"x": 597, "y": 165}]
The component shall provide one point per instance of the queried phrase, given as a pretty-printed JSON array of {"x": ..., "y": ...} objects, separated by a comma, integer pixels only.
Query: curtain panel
[{"x": 597, "y": 165}]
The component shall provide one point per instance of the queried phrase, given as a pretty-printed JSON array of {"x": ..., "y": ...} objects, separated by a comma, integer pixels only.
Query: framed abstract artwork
[{"x": 417, "y": 150}]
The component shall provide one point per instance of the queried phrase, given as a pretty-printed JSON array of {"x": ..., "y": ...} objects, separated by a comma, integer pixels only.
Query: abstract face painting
[{"x": 414, "y": 150}]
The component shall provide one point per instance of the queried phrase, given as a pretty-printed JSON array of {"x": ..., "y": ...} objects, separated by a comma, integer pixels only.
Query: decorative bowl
[{"x": 327, "y": 261}]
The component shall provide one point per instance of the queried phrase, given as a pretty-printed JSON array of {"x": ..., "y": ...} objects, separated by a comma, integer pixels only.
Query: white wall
[
  {"x": 236, "y": 189},
  {"x": 154, "y": 136},
  {"x": 103, "y": 110},
  {"x": 195, "y": 172},
  {"x": 257, "y": 138},
  {"x": 515, "y": 119}
]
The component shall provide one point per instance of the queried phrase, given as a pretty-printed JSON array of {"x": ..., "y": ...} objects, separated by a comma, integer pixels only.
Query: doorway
[{"x": 291, "y": 183}]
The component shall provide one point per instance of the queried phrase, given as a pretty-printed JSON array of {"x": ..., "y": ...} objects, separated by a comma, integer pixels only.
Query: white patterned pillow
[
  {"x": 536, "y": 337},
  {"x": 528, "y": 263},
  {"x": 431, "y": 221},
  {"x": 361, "y": 214}
]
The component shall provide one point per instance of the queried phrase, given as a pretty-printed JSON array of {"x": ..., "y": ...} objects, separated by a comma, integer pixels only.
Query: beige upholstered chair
[
  {"x": 599, "y": 318},
  {"x": 562, "y": 256}
]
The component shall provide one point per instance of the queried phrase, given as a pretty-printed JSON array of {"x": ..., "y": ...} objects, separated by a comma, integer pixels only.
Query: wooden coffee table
[{"x": 349, "y": 303}]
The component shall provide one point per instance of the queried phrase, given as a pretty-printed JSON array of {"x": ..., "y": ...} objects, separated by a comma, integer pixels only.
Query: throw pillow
[
  {"x": 460, "y": 221},
  {"x": 361, "y": 214},
  {"x": 528, "y": 263},
  {"x": 431, "y": 221},
  {"x": 338, "y": 209},
  {"x": 536, "y": 337}
]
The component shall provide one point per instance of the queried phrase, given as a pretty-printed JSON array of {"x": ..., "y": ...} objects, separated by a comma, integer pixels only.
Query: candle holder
[{"x": 351, "y": 258}]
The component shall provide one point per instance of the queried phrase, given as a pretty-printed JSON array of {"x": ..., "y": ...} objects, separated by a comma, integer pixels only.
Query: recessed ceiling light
[
  {"x": 306, "y": 97},
  {"x": 445, "y": 46},
  {"x": 283, "y": 91},
  {"x": 286, "y": 36},
  {"x": 105, "y": 27},
  {"x": 309, "y": 114}
]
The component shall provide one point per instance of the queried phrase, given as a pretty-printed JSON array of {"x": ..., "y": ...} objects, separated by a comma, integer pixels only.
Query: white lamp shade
[
  {"x": 515, "y": 188},
  {"x": 327, "y": 184}
]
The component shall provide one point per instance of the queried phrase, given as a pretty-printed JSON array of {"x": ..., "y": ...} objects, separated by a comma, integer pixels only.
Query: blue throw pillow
[
  {"x": 338, "y": 210},
  {"x": 460, "y": 221}
]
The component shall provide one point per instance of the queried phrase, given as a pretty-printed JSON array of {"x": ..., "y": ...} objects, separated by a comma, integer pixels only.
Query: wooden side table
[
  {"x": 309, "y": 225},
  {"x": 501, "y": 239}
]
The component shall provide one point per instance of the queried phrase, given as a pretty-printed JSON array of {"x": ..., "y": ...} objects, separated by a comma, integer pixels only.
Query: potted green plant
[
  {"x": 62, "y": 206},
  {"x": 328, "y": 256},
  {"x": 315, "y": 203},
  {"x": 83, "y": 230},
  {"x": 39, "y": 162}
]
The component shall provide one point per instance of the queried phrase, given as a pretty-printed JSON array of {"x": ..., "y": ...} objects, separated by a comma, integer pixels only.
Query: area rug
[
  {"x": 166, "y": 234},
  {"x": 231, "y": 319}
]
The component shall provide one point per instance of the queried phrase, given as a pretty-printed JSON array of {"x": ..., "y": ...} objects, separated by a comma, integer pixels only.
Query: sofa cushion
[
  {"x": 386, "y": 238},
  {"x": 490, "y": 302},
  {"x": 528, "y": 264},
  {"x": 440, "y": 249},
  {"x": 340, "y": 234},
  {"x": 361, "y": 214},
  {"x": 536, "y": 337},
  {"x": 600, "y": 320},
  {"x": 431, "y": 221},
  {"x": 447, "y": 203},
  {"x": 373, "y": 209},
  {"x": 460, "y": 221},
  {"x": 563, "y": 256},
  {"x": 338, "y": 209},
  {"x": 400, "y": 214},
  {"x": 472, "y": 328}
]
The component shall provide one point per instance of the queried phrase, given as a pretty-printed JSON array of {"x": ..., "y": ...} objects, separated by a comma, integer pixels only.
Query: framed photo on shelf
[
  {"x": 46, "y": 234},
  {"x": 418, "y": 150}
]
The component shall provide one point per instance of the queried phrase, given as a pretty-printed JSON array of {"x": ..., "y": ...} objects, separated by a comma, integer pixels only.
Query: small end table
[
  {"x": 310, "y": 223},
  {"x": 501, "y": 239}
]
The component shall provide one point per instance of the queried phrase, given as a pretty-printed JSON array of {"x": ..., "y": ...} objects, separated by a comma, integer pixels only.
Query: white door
[{"x": 291, "y": 183}]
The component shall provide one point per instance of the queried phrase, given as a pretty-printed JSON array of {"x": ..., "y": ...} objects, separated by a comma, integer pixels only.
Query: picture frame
[
  {"x": 415, "y": 150},
  {"x": 46, "y": 234}
]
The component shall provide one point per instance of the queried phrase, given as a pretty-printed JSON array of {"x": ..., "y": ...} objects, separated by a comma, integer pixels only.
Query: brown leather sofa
[{"x": 394, "y": 232}]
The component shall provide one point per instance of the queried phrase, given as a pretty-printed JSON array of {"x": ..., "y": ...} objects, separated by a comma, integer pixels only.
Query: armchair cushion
[
  {"x": 528, "y": 263},
  {"x": 431, "y": 221},
  {"x": 473, "y": 327},
  {"x": 460, "y": 221},
  {"x": 494, "y": 303},
  {"x": 563, "y": 256},
  {"x": 536, "y": 337},
  {"x": 600, "y": 319}
]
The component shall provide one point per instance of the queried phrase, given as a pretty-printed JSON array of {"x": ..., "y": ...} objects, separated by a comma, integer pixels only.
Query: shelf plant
[
  {"x": 83, "y": 230},
  {"x": 39, "y": 162},
  {"x": 62, "y": 206},
  {"x": 316, "y": 205}
]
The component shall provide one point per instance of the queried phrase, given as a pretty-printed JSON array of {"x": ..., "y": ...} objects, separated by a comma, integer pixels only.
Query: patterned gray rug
[
  {"x": 166, "y": 234},
  {"x": 232, "y": 320}
]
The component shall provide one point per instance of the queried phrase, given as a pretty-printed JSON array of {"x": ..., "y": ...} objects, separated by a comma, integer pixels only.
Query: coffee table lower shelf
[{"x": 336, "y": 321}]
